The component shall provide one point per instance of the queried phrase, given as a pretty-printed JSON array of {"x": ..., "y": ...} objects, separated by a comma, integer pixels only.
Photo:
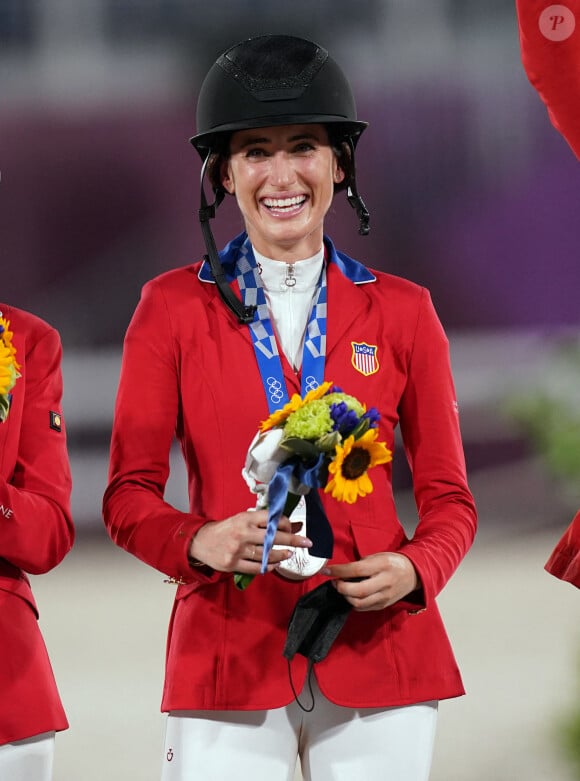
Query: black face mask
[{"x": 315, "y": 623}]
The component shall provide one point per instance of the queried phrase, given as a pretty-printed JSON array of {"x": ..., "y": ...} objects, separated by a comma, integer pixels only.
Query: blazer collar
[
  {"x": 351, "y": 269},
  {"x": 348, "y": 302}
]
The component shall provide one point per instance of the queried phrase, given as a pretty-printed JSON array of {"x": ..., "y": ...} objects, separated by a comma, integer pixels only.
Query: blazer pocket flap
[{"x": 372, "y": 539}]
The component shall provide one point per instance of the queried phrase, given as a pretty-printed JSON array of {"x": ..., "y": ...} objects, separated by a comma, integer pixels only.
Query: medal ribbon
[
  {"x": 262, "y": 331},
  {"x": 272, "y": 374}
]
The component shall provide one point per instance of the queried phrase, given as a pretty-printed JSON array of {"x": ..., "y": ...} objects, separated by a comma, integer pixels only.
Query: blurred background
[{"x": 472, "y": 193}]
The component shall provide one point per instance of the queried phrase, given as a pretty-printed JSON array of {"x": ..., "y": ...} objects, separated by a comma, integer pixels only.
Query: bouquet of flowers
[
  {"x": 327, "y": 440},
  {"x": 9, "y": 369}
]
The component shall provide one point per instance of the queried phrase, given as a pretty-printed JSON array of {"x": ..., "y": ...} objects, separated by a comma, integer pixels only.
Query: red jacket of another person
[
  {"x": 36, "y": 530},
  {"x": 550, "y": 45},
  {"x": 564, "y": 562}
]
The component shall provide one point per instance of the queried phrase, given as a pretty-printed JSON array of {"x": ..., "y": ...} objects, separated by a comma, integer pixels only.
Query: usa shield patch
[{"x": 364, "y": 358}]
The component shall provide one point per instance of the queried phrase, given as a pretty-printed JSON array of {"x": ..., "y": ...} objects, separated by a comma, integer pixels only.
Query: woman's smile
[{"x": 281, "y": 208}]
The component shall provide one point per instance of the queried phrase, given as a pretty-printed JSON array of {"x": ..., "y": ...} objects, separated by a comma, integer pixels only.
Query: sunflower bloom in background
[
  {"x": 9, "y": 369},
  {"x": 349, "y": 468}
]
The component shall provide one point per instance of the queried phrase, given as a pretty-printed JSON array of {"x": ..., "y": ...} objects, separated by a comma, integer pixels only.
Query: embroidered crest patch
[{"x": 364, "y": 358}]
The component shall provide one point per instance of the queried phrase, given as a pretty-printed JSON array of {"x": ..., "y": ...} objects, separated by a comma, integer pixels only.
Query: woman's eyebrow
[
  {"x": 255, "y": 140},
  {"x": 265, "y": 140},
  {"x": 304, "y": 136}
]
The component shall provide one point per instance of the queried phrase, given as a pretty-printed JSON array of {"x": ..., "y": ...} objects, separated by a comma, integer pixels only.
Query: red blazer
[
  {"x": 189, "y": 369},
  {"x": 35, "y": 526},
  {"x": 564, "y": 562},
  {"x": 550, "y": 44}
]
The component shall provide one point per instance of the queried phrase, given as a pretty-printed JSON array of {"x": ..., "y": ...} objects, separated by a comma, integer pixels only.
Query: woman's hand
[
  {"x": 385, "y": 578},
  {"x": 235, "y": 544}
]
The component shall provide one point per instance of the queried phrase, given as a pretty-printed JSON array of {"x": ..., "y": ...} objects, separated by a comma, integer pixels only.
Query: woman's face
[{"x": 283, "y": 179}]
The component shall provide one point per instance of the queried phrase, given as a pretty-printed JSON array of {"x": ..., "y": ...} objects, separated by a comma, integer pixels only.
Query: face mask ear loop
[
  {"x": 353, "y": 196},
  {"x": 310, "y": 708},
  {"x": 245, "y": 314}
]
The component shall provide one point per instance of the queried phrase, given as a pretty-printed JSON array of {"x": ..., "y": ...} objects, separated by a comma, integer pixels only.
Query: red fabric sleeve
[
  {"x": 38, "y": 531},
  {"x": 431, "y": 435},
  {"x": 550, "y": 46},
  {"x": 135, "y": 513},
  {"x": 564, "y": 562}
]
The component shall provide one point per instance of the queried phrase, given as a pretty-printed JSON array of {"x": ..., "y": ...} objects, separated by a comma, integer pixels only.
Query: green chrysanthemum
[{"x": 309, "y": 422}]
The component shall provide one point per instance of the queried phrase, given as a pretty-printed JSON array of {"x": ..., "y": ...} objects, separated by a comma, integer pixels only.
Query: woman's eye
[
  {"x": 255, "y": 153},
  {"x": 304, "y": 146}
]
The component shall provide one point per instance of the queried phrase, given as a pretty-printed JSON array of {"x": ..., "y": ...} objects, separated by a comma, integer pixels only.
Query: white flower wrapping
[{"x": 264, "y": 456}]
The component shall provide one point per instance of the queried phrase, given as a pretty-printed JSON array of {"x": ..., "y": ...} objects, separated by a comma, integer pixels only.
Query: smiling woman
[{"x": 251, "y": 334}]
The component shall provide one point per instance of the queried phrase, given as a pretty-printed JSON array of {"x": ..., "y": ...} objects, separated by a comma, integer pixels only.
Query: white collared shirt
[{"x": 290, "y": 289}]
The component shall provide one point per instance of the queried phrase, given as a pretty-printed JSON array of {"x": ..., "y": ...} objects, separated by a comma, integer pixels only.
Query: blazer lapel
[
  {"x": 348, "y": 303},
  {"x": 224, "y": 315}
]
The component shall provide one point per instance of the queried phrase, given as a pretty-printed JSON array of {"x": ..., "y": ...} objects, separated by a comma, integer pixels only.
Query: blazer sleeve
[
  {"x": 564, "y": 561},
  {"x": 431, "y": 435},
  {"x": 146, "y": 410},
  {"x": 39, "y": 531},
  {"x": 552, "y": 62}
]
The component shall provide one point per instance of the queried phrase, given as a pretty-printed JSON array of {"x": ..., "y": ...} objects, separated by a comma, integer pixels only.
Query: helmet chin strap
[
  {"x": 354, "y": 198},
  {"x": 245, "y": 314}
]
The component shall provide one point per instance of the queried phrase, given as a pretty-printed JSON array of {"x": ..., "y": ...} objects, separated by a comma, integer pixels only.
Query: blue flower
[
  {"x": 344, "y": 419},
  {"x": 373, "y": 416}
]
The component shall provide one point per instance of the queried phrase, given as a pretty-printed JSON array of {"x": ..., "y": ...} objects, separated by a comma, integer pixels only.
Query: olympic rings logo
[
  {"x": 275, "y": 390},
  {"x": 311, "y": 383}
]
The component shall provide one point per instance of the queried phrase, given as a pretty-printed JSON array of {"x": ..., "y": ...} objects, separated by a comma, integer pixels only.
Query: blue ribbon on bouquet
[{"x": 317, "y": 524}]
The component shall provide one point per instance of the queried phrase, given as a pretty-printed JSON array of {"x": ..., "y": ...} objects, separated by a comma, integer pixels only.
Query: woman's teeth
[{"x": 284, "y": 203}]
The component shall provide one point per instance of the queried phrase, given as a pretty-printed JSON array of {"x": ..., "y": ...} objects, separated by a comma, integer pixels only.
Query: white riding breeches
[
  {"x": 333, "y": 743},
  {"x": 29, "y": 759}
]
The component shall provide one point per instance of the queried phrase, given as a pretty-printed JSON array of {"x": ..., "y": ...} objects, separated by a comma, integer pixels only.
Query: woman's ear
[
  {"x": 338, "y": 175},
  {"x": 226, "y": 177}
]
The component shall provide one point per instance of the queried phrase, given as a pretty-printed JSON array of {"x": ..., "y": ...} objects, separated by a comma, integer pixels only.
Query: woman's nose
[{"x": 281, "y": 170}]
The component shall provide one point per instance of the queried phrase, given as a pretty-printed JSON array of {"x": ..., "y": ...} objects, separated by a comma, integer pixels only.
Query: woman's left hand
[{"x": 376, "y": 581}]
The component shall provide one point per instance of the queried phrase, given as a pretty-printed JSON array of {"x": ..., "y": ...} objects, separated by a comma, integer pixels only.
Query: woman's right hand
[{"x": 236, "y": 543}]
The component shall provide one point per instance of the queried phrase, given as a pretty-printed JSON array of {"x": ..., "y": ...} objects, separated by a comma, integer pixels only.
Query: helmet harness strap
[
  {"x": 354, "y": 197},
  {"x": 245, "y": 314}
]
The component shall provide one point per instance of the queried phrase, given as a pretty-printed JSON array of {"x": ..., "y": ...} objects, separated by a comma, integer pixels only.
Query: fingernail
[
  {"x": 305, "y": 543},
  {"x": 325, "y": 571}
]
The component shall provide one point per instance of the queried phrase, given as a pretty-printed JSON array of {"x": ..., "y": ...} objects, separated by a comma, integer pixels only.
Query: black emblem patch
[{"x": 56, "y": 421}]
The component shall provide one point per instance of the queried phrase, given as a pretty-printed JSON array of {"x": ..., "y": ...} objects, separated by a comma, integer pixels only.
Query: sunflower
[
  {"x": 8, "y": 350},
  {"x": 8, "y": 367},
  {"x": 295, "y": 403},
  {"x": 351, "y": 463},
  {"x": 6, "y": 376}
]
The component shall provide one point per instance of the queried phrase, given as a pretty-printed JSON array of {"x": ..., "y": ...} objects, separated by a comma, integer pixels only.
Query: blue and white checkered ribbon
[{"x": 268, "y": 358}]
